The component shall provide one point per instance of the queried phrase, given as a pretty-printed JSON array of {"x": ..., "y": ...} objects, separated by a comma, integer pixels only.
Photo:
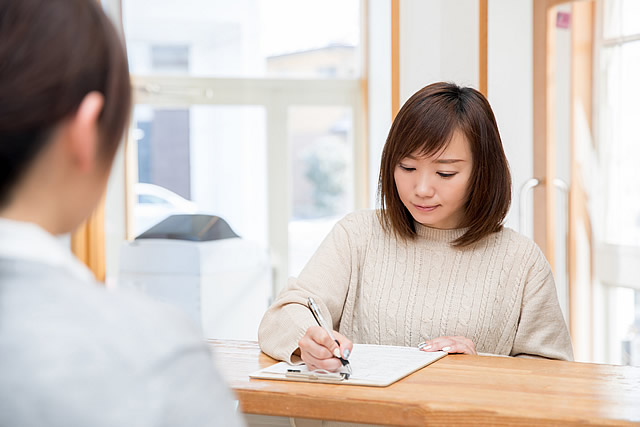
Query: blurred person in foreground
[{"x": 74, "y": 354}]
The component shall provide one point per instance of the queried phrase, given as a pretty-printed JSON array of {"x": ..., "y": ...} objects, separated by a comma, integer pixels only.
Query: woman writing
[{"x": 433, "y": 265}]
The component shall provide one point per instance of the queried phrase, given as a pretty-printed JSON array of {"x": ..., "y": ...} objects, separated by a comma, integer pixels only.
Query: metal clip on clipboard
[{"x": 320, "y": 374}]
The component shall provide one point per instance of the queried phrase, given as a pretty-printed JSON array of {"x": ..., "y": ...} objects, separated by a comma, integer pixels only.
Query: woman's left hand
[{"x": 450, "y": 345}]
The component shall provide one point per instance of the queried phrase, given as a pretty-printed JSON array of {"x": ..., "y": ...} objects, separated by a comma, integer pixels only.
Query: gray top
[{"x": 74, "y": 354}]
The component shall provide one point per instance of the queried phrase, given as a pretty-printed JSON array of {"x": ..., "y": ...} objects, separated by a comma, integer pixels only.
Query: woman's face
[{"x": 434, "y": 189}]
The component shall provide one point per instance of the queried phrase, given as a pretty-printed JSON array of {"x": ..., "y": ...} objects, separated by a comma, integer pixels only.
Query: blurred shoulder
[
  {"x": 51, "y": 305},
  {"x": 160, "y": 328},
  {"x": 58, "y": 329}
]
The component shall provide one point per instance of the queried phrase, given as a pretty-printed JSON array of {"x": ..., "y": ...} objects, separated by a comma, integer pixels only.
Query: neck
[
  {"x": 438, "y": 234},
  {"x": 42, "y": 197},
  {"x": 25, "y": 210}
]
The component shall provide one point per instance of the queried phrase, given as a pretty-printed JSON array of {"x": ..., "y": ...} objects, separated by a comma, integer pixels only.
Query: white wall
[
  {"x": 438, "y": 42},
  {"x": 510, "y": 88},
  {"x": 379, "y": 56},
  {"x": 563, "y": 159},
  {"x": 432, "y": 48}
]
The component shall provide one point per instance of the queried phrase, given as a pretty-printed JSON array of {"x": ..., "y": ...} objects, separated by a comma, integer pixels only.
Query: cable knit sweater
[{"x": 377, "y": 289}]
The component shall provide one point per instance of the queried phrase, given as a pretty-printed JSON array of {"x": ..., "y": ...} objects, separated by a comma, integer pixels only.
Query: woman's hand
[
  {"x": 319, "y": 351},
  {"x": 450, "y": 345}
]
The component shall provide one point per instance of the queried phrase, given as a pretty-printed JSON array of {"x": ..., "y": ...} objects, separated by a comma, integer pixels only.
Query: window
[
  {"x": 321, "y": 152},
  {"x": 244, "y": 38},
  {"x": 204, "y": 159},
  {"x": 170, "y": 58},
  {"x": 244, "y": 121},
  {"x": 618, "y": 255}
]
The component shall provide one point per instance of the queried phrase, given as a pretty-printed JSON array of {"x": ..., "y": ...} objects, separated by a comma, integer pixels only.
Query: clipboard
[{"x": 372, "y": 365}]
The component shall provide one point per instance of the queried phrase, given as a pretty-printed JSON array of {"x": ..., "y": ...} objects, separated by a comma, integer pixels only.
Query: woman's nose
[{"x": 424, "y": 187}]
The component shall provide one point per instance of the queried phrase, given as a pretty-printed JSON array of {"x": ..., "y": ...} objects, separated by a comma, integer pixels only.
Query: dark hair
[
  {"x": 425, "y": 124},
  {"x": 52, "y": 54}
]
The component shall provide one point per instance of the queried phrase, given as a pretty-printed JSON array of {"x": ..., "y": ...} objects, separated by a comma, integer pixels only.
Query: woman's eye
[
  {"x": 406, "y": 168},
  {"x": 446, "y": 175}
]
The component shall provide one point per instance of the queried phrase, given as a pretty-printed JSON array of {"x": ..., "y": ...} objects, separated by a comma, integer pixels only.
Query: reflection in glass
[{"x": 202, "y": 159}]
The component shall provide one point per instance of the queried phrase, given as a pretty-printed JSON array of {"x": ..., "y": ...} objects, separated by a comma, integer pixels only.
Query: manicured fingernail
[
  {"x": 336, "y": 352},
  {"x": 447, "y": 348},
  {"x": 346, "y": 354},
  {"x": 425, "y": 347}
]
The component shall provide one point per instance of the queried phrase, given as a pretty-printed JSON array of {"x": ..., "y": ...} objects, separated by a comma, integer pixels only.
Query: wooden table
[{"x": 458, "y": 389}]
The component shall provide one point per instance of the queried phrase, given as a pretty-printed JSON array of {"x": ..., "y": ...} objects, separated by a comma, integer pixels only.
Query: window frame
[
  {"x": 275, "y": 96},
  {"x": 615, "y": 264}
]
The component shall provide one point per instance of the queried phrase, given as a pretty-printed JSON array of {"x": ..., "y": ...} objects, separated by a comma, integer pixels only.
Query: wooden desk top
[{"x": 458, "y": 389}]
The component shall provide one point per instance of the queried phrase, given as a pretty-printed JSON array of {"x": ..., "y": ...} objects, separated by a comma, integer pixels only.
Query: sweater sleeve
[
  {"x": 542, "y": 330},
  {"x": 326, "y": 278}
]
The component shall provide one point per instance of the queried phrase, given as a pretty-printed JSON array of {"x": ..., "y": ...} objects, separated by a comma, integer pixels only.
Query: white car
[{"x": 155, "y": 203}]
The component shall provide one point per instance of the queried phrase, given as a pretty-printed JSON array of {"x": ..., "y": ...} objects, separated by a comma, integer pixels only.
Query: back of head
[{"x": 52, "y": 54}]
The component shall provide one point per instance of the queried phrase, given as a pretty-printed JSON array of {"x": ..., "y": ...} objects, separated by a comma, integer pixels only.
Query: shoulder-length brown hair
[
  {"x": 425, "y": 125},
  {"x": 52, "y": 54}
]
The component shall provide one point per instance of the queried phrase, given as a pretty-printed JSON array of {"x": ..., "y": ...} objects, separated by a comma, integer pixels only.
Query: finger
[
  {"x": 457, "y": 344},
  {"x": 436, "y": 344},
  {"x": 460, "y": 348},
  {"x": 312, "y": 342},
  {"x": 331, "y": 364},
  {"x": 463, "y": 345},
  {"x": 311, "y": 352},
  {"x": 346, "y": 346},
  {"x": 321, "y": 337},
  {"x": 471, "y": 347},
  {"x": 315, "y": 351},
  {"x": 324, "y": 339},
  {"x": 439, "y": 344}
]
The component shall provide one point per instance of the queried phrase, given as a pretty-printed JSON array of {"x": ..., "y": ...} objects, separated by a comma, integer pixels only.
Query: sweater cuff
[{"x": 279, "y": 335}]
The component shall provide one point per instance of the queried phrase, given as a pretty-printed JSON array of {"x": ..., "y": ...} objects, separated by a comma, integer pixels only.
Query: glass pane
[
  {"x": 244, "y": 38},
  {"x": 202, "y": 159},
  {"x": 621, "y": 18},
  {"x": 625, "y": 323},
  {"x": 631, "y": 342},
  {"x": 620, "y": 143},
  {"x": 321, "y": 144}
]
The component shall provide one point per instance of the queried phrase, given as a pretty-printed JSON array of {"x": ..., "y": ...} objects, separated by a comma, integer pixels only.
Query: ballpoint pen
[{"x": 318, "y": 316}]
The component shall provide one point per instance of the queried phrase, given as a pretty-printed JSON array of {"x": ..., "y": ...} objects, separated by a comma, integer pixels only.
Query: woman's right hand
[{"x": 319, "y": 351}]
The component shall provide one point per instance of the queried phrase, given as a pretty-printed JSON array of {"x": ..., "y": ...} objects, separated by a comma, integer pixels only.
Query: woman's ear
[{"x": 83, "y": 136}]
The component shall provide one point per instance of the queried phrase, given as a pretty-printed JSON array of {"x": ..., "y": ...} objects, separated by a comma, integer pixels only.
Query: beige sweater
[{"x": 376, "y": 289}]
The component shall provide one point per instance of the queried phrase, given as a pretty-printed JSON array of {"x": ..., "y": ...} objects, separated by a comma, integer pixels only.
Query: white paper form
[{"x": 372, "y": 365}]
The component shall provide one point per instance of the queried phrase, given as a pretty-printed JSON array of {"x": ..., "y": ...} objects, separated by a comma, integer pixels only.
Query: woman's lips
[{"x": 423, "y": 208}]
